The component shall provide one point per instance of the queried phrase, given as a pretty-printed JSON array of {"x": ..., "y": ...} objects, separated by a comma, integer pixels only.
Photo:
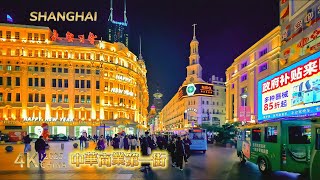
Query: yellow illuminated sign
[
  {"x": 51, "y": 161},
  {"x": 124, "y": 159},
  {"x": 101, "y": 159}
]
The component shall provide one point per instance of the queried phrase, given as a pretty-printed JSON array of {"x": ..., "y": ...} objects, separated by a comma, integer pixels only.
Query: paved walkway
[
  {"x": 218, "y": 163},
  {"x": 10, "y": 170}
]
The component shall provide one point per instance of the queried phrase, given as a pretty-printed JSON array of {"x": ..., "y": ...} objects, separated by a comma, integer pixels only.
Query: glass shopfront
[
  {"x": 79, "y": 130},
  {"x": 59, "y": 130},
  {"x": 36, "y": 131}
]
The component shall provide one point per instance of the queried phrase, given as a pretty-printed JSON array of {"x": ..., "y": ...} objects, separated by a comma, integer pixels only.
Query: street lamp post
[{"x": 244, "y": 96}]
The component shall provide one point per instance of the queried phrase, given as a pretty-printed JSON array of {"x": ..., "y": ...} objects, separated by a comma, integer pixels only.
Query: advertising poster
[
  {"x": 244, "y": 113},
  {"x": 291, "y": 92},
  {"x": 15, "y": 136}
]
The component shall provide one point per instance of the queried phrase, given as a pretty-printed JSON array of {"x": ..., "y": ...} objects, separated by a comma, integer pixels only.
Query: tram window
[
  {"x": 196, "y": 135},
  {"x": 256, "y": 134},
  {"x": 299, "y": 134},
  {"x": 241, "y": 135},
  {"x": 271, "y": 134},
  {"x": 248, "y": 135},
  {"x": 318, "y": 139}
]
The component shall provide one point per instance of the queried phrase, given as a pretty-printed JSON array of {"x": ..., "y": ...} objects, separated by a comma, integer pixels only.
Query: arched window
[
  {"x": 193, "y": 61},
  {"x": 192, "y": 71}
]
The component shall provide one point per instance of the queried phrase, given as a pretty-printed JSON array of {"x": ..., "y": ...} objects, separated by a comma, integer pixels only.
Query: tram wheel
[
  {"x": 264, "y": 166},
  {"x": 242, "y": 158}
]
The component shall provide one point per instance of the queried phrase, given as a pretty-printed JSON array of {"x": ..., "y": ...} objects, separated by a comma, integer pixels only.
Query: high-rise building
[
  {"x": 118, "y": 31},
  {"x": 157, "y": 100}
]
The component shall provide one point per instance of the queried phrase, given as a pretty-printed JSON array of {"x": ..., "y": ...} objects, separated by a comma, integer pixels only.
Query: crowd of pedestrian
[{"x": 177, "y": 146}]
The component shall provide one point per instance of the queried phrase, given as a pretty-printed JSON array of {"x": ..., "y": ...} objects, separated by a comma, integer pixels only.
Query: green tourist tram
[{"x": 282, "y": 145}]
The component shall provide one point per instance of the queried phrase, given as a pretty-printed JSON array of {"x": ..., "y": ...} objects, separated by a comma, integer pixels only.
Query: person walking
[
  {"x": 187, "y": 143},
  {"x": 144, "y": 150},
  {"x": 115, "y": 142},
  {"x": 133, "y": 143},
  {"x": 151, "y": 142},
  {"x": 27, "y": 140},
  {"x": 126, "y": 143},
  {"x": 40, "y": 147},
  {"x": 138, "y": 143},
  {"x": 95, "y": 138},
  {"x": 172, "y": 148},
  {"x": 101, "y": 143},
  {"x": 82, "y": 141},
  {"x": 121, "y": 142},
  {"x": 180, "y": 152},
  {"x": 108, "y": 139}
]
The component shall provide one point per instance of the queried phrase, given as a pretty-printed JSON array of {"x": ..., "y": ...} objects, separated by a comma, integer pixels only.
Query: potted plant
[
  {"x": 9, "y": 148},
  {"x": 75, "y": 145}
]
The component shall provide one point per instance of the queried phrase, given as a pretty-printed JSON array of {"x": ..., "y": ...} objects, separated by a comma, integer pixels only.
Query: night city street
[
  {"x": 160, "y": 89},
  {"x": 218, "y": 163}
]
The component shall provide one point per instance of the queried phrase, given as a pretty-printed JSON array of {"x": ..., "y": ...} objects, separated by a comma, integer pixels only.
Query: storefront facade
[{"x": 73, "y": 84}]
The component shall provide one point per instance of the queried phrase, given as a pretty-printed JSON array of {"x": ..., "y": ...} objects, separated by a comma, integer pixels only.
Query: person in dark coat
[
  {"x": 115, "y": 142},
  {"x": 172, "y": 148},
  {"x": 160, "y": 142},
  {"x": 40, "y": 147},
  {"x": 180, "y": 152},
  {"x": 126, "y": 143},
  {"x": 27, "y": 140},
  {"x": 82, "y": 141},
  {"x": 151, "y": 142},
  {"x": 144, "y": 144},
  {"x": 187, "y": 143},
  {"x": 101, "y": 143}
]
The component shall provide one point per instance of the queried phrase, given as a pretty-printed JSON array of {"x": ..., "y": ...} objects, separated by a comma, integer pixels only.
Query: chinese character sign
[
  {"x": 124, "y": 159},
  {"x": 244, "y": 113},
  {"x": 293, "y": 91}
]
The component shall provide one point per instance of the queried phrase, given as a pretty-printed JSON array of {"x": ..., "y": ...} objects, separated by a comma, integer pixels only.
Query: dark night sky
[{"x": 226, "y": 28}]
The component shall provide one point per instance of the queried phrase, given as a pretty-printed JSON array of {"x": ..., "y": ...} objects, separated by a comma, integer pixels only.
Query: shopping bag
[{"x": 149, "y": 151}]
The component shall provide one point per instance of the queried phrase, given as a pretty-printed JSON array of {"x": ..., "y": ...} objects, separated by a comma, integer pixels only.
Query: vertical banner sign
[
  {"x": 291, "y": 92},
  {"x": 244, "y": 114}
]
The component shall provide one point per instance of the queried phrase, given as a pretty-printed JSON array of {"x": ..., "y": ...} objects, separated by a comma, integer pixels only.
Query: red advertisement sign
[
  {"x": 244, "y": 113},
  {"x": 15, "y": 136}
]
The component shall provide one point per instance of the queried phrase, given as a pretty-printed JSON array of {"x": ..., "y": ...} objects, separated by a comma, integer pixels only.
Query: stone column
[
  {"x": 71, "y": 131},
  {"x": 93, "y": 130}
]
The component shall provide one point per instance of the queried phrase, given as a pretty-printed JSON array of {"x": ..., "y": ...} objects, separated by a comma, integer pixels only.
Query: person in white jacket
[
  {"x": 121, "y": 145},
  {"x": 133, "y": 143}
]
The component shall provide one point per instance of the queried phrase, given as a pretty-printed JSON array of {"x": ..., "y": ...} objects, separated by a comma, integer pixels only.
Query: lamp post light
[{"x": 244, "y": 96}]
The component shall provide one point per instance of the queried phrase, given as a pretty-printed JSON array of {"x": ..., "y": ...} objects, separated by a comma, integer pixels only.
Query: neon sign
[
  {"x": 120, "y": 91},
  {"x": 291, "y": 92},
  {"x": 123, "y": 78},
  {"x": 52, "y": 119}
]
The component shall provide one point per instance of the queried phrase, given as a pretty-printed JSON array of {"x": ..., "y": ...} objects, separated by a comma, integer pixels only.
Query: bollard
[{"x": 62, "y": 146}]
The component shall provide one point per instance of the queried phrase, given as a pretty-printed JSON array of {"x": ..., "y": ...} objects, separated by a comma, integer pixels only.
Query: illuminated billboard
[
  {"x": 196, "y": 89},
  {"x": 291, "y": 92}
]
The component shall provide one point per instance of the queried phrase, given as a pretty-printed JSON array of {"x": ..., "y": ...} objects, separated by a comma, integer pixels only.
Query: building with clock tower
[{"x": 197, "y": 102}]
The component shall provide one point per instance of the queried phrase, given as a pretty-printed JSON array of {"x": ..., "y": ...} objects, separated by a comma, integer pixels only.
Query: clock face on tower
[
  {"x": 191, "y": 88},
  {"x": 191, "y": 79}
]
